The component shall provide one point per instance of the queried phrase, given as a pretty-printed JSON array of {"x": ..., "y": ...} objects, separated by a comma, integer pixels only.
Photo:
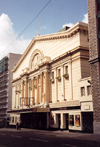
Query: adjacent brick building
[{"x": 94, "y": 58}]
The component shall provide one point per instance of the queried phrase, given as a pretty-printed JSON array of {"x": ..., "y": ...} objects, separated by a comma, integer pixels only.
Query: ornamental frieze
[{"x": 64, "y": 104}]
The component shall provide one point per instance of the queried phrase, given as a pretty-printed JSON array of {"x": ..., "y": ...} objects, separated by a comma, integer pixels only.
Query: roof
[{"x": 79, "y": 25}]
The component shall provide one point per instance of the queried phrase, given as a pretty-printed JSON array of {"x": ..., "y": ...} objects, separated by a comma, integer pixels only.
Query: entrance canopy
[{"x": 29, "y": 110}]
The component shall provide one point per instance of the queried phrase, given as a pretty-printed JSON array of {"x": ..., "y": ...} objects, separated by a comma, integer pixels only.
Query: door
[{"x": 67, "y": 122}]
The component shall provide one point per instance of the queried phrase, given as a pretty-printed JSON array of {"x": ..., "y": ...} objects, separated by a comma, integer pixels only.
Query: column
[
  {"x": 37, "y": 90},
  {"x": 26, "y": 92},
  {"x": 15, "y": 95},
  {"x": 33, "y": 92},
  {"x": 62, "y": 126},
  {"x": 62, "y": 82},
  {"x": 41, "y": 76},
  {"x": 46, "y": 99},
  {"x": 70, "y": 79},
  {"x": 21, "y": 101},
  {"x": 55, "y": 75}
]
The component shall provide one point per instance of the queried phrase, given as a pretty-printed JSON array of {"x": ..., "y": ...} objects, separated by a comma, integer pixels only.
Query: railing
[
  {"x": 4, "y": 79},
  {"x": 2, "y": 100},
  {"x": 3, "y": 107},
  {"x": 27, "y": 101},
  {"x": 3, "y": 89},
  {"x": 3, "y": 95},
  {"x": 4, "y": 86},
  {"x": 4, "y": 73},
  {"x": 2, "y": 114}
]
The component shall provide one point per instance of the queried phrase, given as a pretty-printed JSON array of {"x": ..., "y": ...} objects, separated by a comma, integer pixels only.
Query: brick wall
[{"x": 94, "y": 59}]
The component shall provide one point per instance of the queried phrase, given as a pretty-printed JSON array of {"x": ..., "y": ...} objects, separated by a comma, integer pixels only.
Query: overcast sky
[{"x": 15, "y": 15}]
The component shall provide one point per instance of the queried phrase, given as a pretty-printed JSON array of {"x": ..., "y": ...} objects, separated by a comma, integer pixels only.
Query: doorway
[
  {"x": 58, "y": 121},
  {"x": 66, "y": 115}
]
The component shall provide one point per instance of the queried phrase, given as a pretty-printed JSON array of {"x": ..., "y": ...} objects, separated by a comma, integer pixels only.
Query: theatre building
[{"x": 51, "y": 82}]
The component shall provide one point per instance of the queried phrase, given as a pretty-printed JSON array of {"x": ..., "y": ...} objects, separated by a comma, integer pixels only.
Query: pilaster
[
  {"x": 26, "y": 92},
  {"x": 62, "y": 82},
  {"x": 33, "y": 91},
  {"x": 55, "y": 75},
  {"x": 46, "y": 87},
  {"x": 41, "y": 76},
  {"x": 37, "y": 90},
  {"x": 63, "y": 121},
  {"x": 70, "y": 79}
]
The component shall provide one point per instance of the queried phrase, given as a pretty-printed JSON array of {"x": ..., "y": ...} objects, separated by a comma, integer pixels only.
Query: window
[
  {"x": 82, "y": 91},
  {"x": 71, "y": 120},
  {"x": 59, "y": 72},
  {"x": 12, "y": 119},
  {"x": 16, "y": 119},
  {"x": 89, "y": 90},
  {"x": 66, "y": 69},
  {"x": 52, "y": 75}
]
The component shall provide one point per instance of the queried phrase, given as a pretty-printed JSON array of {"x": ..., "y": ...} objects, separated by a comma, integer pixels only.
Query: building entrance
[
  {"x": 34, "y": 120},
  {"x": 59, "y": 121},
  {"x": 66, "y": 115},
  {"x": 87, "y": 120}
]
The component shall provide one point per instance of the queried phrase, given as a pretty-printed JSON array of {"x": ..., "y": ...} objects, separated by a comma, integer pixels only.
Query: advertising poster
[{"x": 77, "y": 120}]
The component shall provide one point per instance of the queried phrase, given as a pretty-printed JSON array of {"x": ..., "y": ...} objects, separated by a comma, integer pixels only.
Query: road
[{"x": 39, "y": 138}]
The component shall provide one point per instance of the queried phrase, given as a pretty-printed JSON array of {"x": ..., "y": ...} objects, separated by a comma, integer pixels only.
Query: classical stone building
[
  {"x": 94, "y": 59},
  {"x": 51, "y": 82}
]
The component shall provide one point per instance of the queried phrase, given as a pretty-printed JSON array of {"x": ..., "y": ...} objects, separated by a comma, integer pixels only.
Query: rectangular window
[
  {"x": 59, "y": 72},
  {"x": 52, "y": 75},
  {"x": 16, "y": 119},
  {"x": 89, "y": 90},
  {"x": 12, "y": 119},
  {"x": 66, "y": 69},
  {"x": 82, "y": 91},
  {"x": 71, "y": 120}
]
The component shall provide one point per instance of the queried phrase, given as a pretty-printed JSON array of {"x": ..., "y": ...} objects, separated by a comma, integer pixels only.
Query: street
[{"x": 42, "y": 138}]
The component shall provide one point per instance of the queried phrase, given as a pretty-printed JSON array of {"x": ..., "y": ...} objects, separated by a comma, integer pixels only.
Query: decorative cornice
[
  {"x": 14, "y": 80},
  {"x": 69, "y": 52},
  {"x": 59, "y": 35}
]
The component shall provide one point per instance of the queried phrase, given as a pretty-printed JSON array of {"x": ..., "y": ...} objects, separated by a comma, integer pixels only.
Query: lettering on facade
[
  {"x": 40, "y": 109},
  {"x": 86, "y": 107},
  {"x": 65, "y": 104}
]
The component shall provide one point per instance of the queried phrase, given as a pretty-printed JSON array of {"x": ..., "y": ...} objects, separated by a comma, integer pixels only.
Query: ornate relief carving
[{"x": 36, "y": 61}]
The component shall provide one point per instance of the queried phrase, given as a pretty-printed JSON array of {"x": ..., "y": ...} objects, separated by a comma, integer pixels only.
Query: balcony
[
  {"x": 3, "y": 101},
  {"x": 3, "y": 107},
  {"x": 27, "y": 101},
  {"x": 3, "y": 95},
  {"x": 3, "y": 90},
  {"x": 2, "y": 114},
  {"x": 3, "y": 74},
  {"x": 4, "y": 79},
  {"x": 3, "y": 87}
]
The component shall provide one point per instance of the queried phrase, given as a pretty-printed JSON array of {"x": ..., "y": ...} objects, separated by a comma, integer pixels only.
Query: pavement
[{"x": 59, "y": 133}]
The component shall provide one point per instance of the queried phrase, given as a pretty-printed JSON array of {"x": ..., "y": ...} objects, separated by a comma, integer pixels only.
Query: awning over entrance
[{"x": 29, "y": 110}]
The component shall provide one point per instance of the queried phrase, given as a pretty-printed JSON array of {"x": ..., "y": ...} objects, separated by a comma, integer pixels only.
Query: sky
[{"x": 16, "y": 15}]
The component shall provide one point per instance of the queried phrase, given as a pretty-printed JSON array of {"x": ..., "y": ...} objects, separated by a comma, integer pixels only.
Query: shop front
[
  {"x": 36, "y": 118},
  {"x": 67, "y": 120}
]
